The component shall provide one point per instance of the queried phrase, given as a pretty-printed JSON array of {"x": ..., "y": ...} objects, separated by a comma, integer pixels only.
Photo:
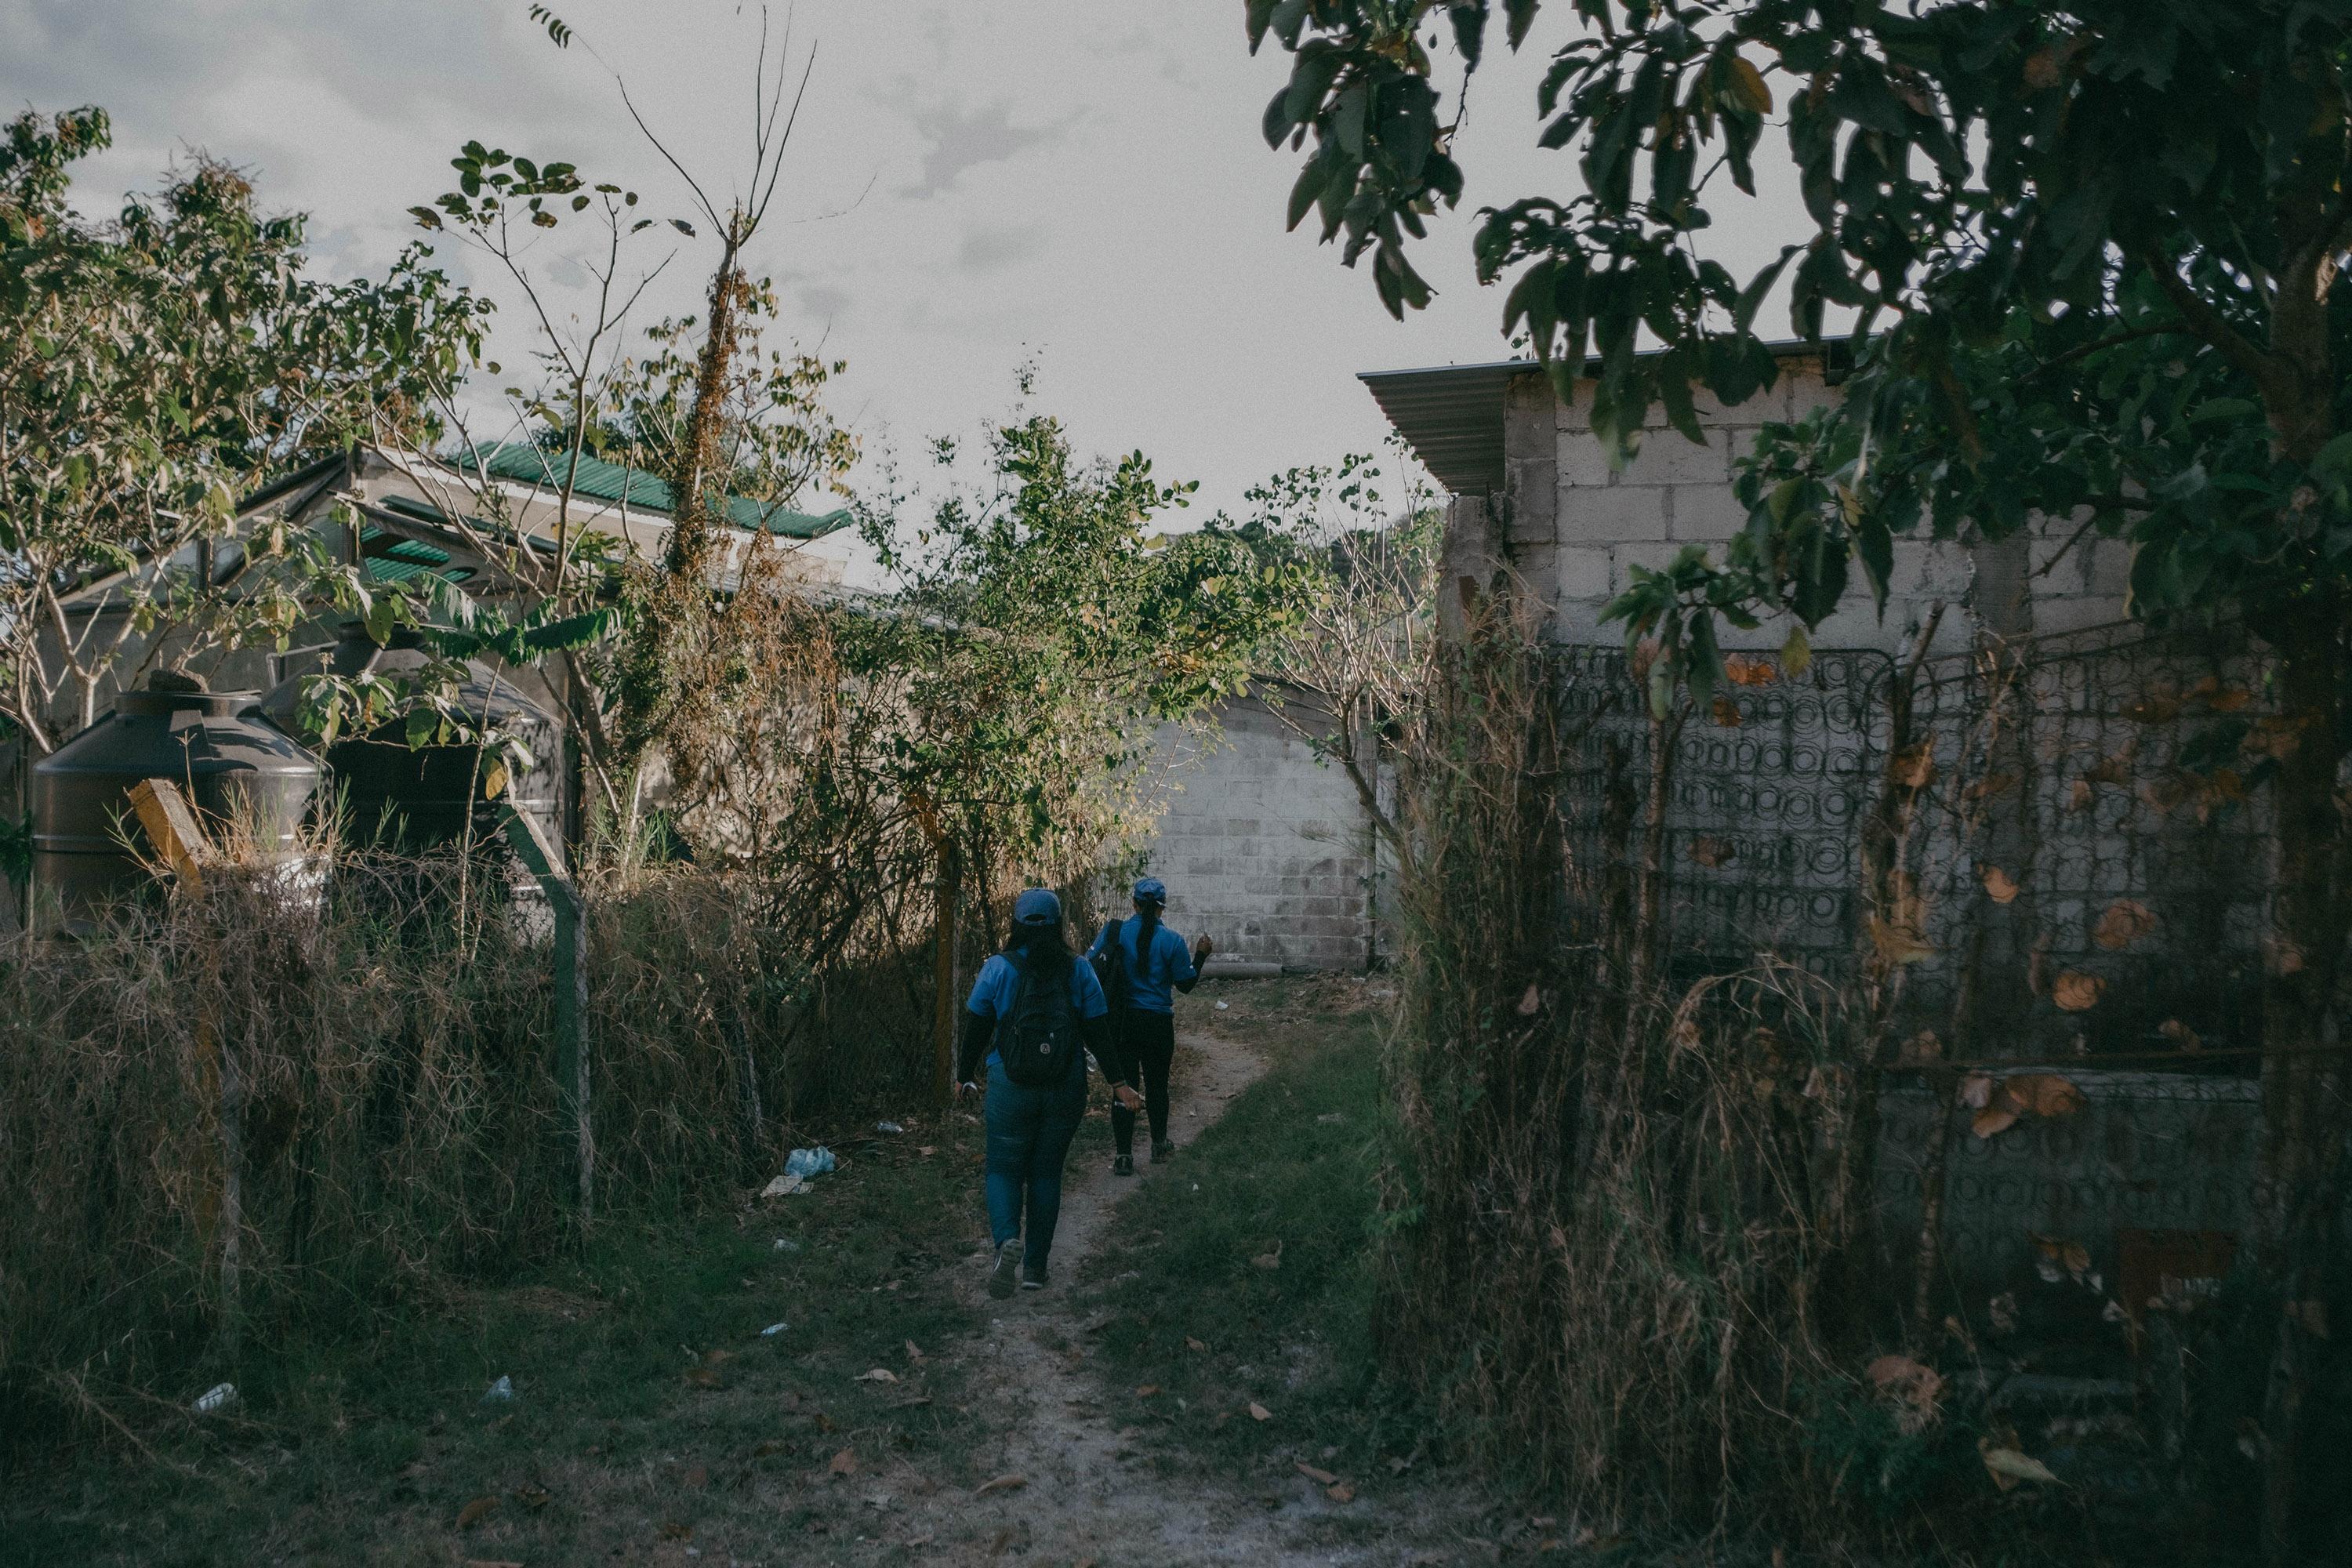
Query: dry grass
[
  {"x": 1617, "y": 1217},
  {"x": 392, "y": 1075}
]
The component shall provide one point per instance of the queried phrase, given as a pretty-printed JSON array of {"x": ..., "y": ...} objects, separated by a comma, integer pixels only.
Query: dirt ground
[{"x": 1083, "y": 1493}]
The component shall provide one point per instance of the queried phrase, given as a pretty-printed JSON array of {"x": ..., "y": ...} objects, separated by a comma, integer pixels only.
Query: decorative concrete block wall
[{"x": 1261, "y": 845}]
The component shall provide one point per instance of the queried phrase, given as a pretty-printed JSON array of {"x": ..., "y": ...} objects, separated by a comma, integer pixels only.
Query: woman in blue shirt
[
  {"x": 1157, "y": 965},
  {"x": 1050, "y": 1006}
]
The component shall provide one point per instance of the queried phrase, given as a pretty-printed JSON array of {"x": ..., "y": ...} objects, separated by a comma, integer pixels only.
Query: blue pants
[{"x": 1029, "y": 1133}]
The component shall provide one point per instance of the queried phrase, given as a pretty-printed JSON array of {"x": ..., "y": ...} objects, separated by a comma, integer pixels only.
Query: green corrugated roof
[
  {"x": 610, "y": 482},
  {"x": 391, "y": 559}
]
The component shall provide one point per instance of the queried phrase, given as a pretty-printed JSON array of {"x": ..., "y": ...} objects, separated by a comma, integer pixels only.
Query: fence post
[
  {"x": 176, "y": 834},
  {"x": 545, "y": 862}
]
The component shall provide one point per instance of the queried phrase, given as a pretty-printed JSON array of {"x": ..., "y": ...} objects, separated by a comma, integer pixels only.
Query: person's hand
[
  {"x": 1202, "y": 949},
  {"x": 1125, "y": 1094}
]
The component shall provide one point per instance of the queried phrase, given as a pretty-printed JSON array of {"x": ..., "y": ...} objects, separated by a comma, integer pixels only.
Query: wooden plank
[{"x": 173, "y": 828}]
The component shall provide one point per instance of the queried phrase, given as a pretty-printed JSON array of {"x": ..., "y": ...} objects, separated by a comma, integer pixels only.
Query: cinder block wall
[
  {"x": 1571, "y": 529},
  {"x": 1261, "y": 845}
]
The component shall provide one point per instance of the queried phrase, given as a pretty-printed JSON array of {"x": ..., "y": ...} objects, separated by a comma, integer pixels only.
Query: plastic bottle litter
[
  {"x": 889, "y": 1127},
  {"x": 216, "y": 1398},
  {"x": 771, "y": 1331},
  {"x": 502, "y": 1392},
  {"x": 808, "y": 1163}
]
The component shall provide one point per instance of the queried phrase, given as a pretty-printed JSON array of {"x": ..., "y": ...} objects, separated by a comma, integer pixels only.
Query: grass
[
  {"x": 1249, "y": 1280},
  {"x": 650, "y": 1412}
]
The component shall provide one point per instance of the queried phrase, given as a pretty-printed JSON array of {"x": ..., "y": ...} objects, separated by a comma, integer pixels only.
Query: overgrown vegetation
[{"x": 400, "y": 1124}]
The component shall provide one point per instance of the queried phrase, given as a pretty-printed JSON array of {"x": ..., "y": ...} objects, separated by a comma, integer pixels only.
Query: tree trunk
[{"x": 2302, "y": 1088}]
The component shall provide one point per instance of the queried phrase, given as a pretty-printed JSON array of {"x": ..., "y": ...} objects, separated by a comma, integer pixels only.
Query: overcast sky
[{"x": 1077, "y": 182}]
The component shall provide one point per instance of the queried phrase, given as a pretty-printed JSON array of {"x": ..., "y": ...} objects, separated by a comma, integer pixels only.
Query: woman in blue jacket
[
  {"x": 1157, "y": 964},
  {"x": 1036, "y": 1003}
]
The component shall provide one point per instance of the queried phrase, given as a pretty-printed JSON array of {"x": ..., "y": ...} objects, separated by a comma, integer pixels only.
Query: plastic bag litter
[
  {"x": 502, "y": 1392},
  {"x": 219, "y": 1398},
  {"x": 785, "y": 1188},
  {"x": 806, "y": 1163},
  {"x": 771, "y": 1331},
  {"x": 1222, "y": 1006},
  {"x": 786, "y": 1244},
  {"x": 890, "y": 1127}
]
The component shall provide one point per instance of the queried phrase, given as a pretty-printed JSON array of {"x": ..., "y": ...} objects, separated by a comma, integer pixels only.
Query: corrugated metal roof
[
  {"x": 1452, "y": 416},
  {"x": 610, "y": 482}
]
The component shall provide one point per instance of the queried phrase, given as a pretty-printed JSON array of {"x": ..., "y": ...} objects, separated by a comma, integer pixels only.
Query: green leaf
[{"x": 1797, "y": 651}]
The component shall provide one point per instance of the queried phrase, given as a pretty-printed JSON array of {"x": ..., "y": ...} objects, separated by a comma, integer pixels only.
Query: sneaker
[
  {"x": 1123, "y": 1166},
  {"x": 1032, "y": 1279},
  {"x": 1161, "y": 1148},
  {"x": 1008, "y": 1259}
]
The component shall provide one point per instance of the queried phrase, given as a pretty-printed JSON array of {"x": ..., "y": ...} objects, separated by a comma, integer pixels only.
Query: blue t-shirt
[
  {"x": 993, "y": 994},
  {"x": 1151, "y": 977}
]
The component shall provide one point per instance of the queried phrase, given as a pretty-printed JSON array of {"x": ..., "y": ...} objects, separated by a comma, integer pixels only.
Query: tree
[
  {"x": 2139, "y": 206},
  {"x": 1353, "y": 645},
  {"x": 157, "y": 368}
]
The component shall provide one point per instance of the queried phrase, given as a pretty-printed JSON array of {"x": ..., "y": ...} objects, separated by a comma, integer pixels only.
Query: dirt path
[{"x": 1089, "y": 1494}]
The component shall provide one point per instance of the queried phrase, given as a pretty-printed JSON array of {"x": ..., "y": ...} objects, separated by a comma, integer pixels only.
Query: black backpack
[
  {"x": 1111, "y": 967},
  {"x": 1041, "y": 1032}
]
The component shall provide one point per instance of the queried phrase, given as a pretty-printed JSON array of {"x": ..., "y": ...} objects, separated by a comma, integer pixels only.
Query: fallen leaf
[
  {"x": 1746, "y": 670},
  {"x": 1976, "y": 1091},
  {"x": 1342, "y": 1493},
  {"x": 2045, "y": 1094},
  {"x": 1725, "y": 712},
  {"x": 1711, "y": 852},
  {"x": 1269, "y": 1259},
  {"x": 2009, "y": 1467},
  {"x": 2079, "y": 795},
  {"x": 1320, "y": 1477},
  {"x": 1259, "y": 1412},
  {"x": 925, "y": 1149},
  {"x": 2124, "y": 922},
  {"x": 1913, "y": 767},
  {"x": 474, "y": 1512},
  {"x": 843, "y": 1463},
  {"x": 1005, "y": 1483},
  {"x": 914, "y": 1351},
  {"x": 1998, "y": 884},
  {"x": 1192, "y": 1344},
  {"x": 2076, "y": 992},
  {"x": 2181, "y": 1034},
  {"x": 1994, "y": 1120},
  {"x": 877, "y": 1374},
  {"x": 1146, "y": 1391},
  {"x": 1531, "y": 1004}
]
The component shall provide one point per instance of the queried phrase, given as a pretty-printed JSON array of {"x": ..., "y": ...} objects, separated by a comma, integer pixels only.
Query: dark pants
[
  {"x": 1151, "y": 1048},
  {"x": 1029, "y": 1133}
]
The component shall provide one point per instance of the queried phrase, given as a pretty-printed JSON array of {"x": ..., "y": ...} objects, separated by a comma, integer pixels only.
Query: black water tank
[
  {"x": 227, "y": 757},
  {"x": 411, "y": 799}
]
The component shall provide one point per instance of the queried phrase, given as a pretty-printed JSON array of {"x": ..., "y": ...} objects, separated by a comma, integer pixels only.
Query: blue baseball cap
[
  {"x": 1037, "y": 907},
  {"x": 1151, "y": 890}
]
